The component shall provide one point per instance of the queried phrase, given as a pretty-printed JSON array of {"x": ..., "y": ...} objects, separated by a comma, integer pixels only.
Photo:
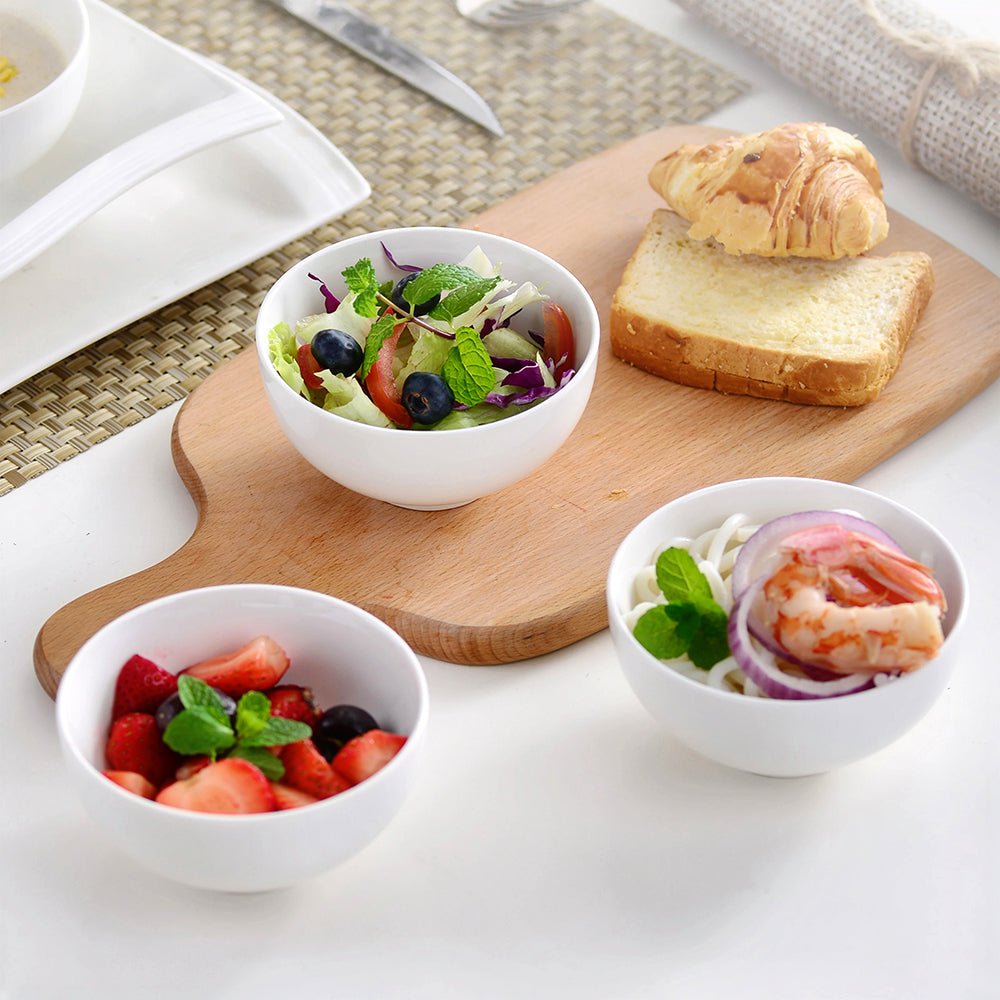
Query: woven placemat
[{"x": 564, "y": 91}]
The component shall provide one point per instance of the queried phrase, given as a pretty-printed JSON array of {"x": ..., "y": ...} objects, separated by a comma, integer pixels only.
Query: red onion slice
[
  {"x": 763, "y": 544},
  {"x": 770, "y": 678}
]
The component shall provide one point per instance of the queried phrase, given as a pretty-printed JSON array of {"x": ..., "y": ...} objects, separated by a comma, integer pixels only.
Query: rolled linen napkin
[{"x": 892, "y": 66}]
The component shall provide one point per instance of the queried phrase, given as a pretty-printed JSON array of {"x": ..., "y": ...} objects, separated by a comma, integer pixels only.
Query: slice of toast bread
[{"x": 797, "y": 329}]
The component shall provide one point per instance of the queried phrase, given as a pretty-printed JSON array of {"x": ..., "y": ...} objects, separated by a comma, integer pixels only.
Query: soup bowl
[{"x": 48, "y": 42}]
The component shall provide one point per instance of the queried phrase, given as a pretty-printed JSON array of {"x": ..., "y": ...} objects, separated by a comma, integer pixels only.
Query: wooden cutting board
[{"x": 522, "y": 572}]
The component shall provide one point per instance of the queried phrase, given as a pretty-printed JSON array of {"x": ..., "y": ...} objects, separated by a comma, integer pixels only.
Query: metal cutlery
[
  {"x": 370, "y": 40},
  {"x": 512, "y": 13}
]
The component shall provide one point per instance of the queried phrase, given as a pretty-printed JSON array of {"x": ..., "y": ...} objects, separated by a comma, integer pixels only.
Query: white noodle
[
  {"x": 716, "y": 677},
  {"x": 720, "y": 591},
  {"x": 721, "y": 539},
  {"x": 646, "y": 589},
  {"x": 715, "y": 553}
]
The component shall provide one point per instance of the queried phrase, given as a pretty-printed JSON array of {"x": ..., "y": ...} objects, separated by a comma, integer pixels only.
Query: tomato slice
[
  {"x": 308, "y": 366},
  {"x": 558, "y": 334},
  {"x": 381, "y": 384}
]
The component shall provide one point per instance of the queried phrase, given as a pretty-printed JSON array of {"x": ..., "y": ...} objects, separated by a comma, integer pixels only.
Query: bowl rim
[
  {"x": 175, "y": 815},
  {"x": 589, "y": 362},
  {"x": 79, "y": 53},
  {"x": 616, "y": 618}
]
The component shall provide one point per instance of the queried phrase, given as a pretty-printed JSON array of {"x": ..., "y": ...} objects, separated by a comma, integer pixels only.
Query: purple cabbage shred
[
  {"x": 395, "y": 263},
  {"x": 523, "y": 398},
  {"x": 527, "y": 377},
  {"x": 332, "y": 302}
]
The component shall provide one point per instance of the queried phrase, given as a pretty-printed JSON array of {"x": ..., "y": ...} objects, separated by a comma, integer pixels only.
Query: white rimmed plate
[{"x": 186, "y": 225}]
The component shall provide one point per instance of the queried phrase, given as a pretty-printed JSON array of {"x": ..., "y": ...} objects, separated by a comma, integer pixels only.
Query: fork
[{"x": 511, "y": 13}]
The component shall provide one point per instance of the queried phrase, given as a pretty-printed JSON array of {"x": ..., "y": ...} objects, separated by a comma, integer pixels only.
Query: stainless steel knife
[{"x": 370, "y": 40}]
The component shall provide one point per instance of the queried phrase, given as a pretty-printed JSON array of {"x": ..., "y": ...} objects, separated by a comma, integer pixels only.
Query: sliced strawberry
[
  {"x": 307, "y": 770},
  {"x": 291, "y": 701},
  {"x": 361, "y": 757},
  {"x": 132, "y": 782},
  {"x": 257, "y": 666},
  {"x": 232, "y": 785},
  {"x": 286, "y": 797},
  {"x": 192, "y": 765},
  {"x": 141, "y": 687},
  {"x": 136, "y": 744}
]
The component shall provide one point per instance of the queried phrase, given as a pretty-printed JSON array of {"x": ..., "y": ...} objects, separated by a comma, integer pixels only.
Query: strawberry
[
  {"x": 257, "y": 666},
  {"x": 286, "y": 797},
  {"x": 231, "y": 785},
  {"x": 307, "y": 770},
  {"x": 362, "y": 756},
  {"x": 132, "y": 782},
  {"x": 192, "y": 765},
  {"x": 141, "y": 687},
  {"x": 290, "y": 701},
  {"x": 135, "y": 744}
]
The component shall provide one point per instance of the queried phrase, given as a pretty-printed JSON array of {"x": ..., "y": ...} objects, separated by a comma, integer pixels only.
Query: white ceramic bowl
[
  {"x": 436, "y": 469},
  {"x": 343, "y": 653},
  {"x": 30, "y": 128},
  {"x": 772, "y": 737}
]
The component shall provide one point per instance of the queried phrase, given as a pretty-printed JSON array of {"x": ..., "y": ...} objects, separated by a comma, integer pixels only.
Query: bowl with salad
[
  {"x": 427, "y": 367},
  {"x": 786, "y": 626}
]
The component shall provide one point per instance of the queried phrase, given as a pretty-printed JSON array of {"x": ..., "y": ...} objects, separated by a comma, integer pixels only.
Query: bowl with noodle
[{"x": 786, "y": 626}]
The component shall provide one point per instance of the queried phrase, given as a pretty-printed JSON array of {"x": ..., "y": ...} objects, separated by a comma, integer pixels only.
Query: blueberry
[
  {"x": 337, "y": 351},
  {"x": 341, "y": 723},
  {"x": 172, "y": 706},
  {"x": 427, "y": 397},
  {"x": 397, "y": 297}
]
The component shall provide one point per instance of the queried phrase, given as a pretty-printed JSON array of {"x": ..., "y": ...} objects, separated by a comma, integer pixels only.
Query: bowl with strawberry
[
  {"x": 427, "y": 366},
  {"x": 243, "y": 737}
]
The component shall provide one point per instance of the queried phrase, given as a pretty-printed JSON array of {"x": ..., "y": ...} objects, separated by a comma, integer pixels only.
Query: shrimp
[{"x": 846, "y": 602}]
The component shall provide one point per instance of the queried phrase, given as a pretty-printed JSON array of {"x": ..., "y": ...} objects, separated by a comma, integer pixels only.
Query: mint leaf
[
  {"x": 686, "y": 617},
  {"x": 253, "y": 711},
  {"x": 696, "y": 627},
  {"x": 678, "y": 576},
  {"x": 278, "y": 732},
  {"x": 433, "y": 280},
  {"x": 657, "y": 633},
  {"x": 710, "y": 643},
  {"x": 360, "y": 279},
  {"x": 461, "y": 299},
  {"x": 195, "y": 693},
  {"x": 380, "y": 332},
  {"x": 196, "y": 731},
  {"x": 467, "y": 368},
  {"x": 270, "y": 765}
]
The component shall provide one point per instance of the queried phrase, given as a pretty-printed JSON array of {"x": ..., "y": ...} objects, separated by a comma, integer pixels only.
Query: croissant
[{"x": 798, "y": 190}]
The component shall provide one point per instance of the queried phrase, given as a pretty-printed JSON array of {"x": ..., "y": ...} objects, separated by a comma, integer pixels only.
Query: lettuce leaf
[
  {"x": 427, "y": 354},
  {"x": 346, "y": 398},
  {"x": 282, "y": 347}
]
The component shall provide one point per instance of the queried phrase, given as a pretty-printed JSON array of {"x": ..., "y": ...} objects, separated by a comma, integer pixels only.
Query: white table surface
[{"x": 558, "y": 844}]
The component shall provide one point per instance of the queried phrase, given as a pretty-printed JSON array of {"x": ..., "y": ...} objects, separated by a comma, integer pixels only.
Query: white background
[{"x": 558, "y": 844}]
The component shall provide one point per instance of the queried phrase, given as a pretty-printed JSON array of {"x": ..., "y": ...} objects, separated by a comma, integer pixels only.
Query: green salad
[{"x": 439, "y": 348}]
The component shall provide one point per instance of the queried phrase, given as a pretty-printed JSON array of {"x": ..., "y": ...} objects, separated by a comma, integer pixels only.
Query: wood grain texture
[{"x": 522, "y": 572}]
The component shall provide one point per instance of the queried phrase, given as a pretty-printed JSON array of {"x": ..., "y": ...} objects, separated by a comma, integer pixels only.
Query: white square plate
[{"x": 192, "y": 222}]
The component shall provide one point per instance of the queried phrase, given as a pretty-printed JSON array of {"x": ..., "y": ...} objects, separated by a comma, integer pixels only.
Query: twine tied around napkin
[{"x": 967, "y": 61}]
